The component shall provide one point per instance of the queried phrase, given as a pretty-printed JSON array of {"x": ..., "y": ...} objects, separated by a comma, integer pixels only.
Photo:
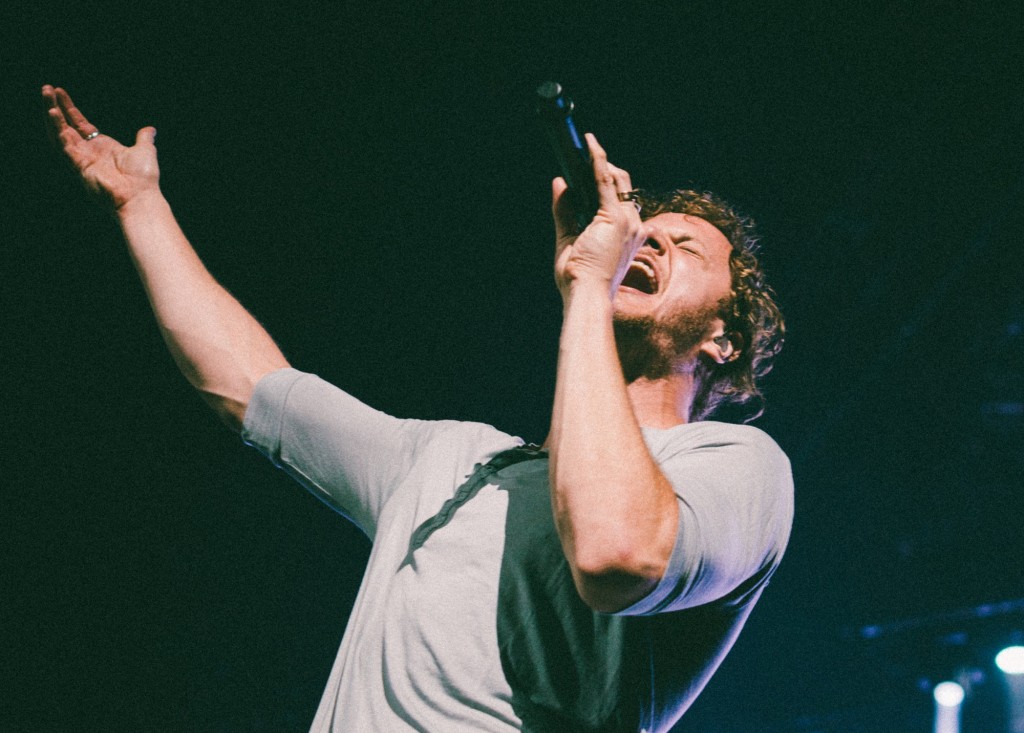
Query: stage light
[
  {"x": 1011, "y": 660},
  {"x": 948, "y": 694},
  {"x": 948, "y": 698}
]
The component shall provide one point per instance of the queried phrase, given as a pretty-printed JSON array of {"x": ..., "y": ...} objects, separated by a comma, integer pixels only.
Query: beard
[{"x": 650, "y": 348}]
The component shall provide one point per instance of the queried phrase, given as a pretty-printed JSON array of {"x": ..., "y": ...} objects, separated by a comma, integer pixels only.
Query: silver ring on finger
[{"x": 91, "y": 135}]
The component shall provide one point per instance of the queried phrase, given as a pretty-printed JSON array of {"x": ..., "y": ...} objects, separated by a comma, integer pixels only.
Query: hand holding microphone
[
  {"x": 555, "y": 113},
  {"x": 596, "y": 235}
]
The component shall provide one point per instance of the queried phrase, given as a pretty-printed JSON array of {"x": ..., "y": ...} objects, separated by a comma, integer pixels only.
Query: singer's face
[{"x": 681, "y": 271}]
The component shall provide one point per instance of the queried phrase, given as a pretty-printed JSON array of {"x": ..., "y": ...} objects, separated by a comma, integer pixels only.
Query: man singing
[{"x": 593, "y": 583}]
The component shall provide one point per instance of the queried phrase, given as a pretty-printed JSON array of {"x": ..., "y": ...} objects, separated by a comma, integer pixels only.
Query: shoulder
[
  {"x": 735, "y": 497},
  {"x": 307, "y": 407},
  {"x": 711, "y": 438},
  {"x": 725, "y": 460}
]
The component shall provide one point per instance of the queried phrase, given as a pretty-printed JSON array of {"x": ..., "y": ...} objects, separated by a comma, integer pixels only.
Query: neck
[
  {"x": 664, "y": 402},
  {"x": 659, "y": 382}
]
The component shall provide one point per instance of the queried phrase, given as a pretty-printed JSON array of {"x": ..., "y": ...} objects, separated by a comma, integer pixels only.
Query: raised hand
[
  {"x": 603, "y": 251},
  {"x": 113, "y": 172}
]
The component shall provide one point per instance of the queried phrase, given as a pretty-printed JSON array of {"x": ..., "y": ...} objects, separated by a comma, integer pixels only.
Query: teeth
[
  {"x": 646, "y": 281},
  {"x": 648, "y": 270}
]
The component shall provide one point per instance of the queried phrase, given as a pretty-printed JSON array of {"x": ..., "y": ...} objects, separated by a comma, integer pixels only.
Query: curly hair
[{"x": 752, "y": 318}]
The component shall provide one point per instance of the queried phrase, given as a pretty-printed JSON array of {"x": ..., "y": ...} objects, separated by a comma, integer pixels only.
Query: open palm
[{"x": 108, "y": 169}]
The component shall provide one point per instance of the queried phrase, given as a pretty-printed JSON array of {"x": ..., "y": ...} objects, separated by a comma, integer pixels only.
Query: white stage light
[
  {"x": 948, "y": 698},
  {"x": 1011, "y": 660},
  {"x": 948, "y": 694}
]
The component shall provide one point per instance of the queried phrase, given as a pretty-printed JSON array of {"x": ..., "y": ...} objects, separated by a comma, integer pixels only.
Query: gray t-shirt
[{"x": 467, "y": 618}]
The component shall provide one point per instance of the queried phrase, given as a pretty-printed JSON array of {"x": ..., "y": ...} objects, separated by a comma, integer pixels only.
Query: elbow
[
  {"x": 619, "y": 551},
  {"x": 611, "y": 581},
  {"x": 615, "y": 564}
]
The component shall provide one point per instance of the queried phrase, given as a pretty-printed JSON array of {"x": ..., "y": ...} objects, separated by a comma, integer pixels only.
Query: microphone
[{"x": 554, "y": 111}]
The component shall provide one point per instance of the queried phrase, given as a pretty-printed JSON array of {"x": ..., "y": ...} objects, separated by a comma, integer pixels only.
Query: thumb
[{"x": 146, "y": 136}]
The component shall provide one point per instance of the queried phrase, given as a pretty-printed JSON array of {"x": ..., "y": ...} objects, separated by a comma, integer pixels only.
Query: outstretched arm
[
  {"x": 615, "y": 511},
  {"x": 221, "y": 349}
]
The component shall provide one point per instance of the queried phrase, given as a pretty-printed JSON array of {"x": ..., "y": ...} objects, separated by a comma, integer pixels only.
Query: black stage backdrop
[{"x": 368, "y": 180}]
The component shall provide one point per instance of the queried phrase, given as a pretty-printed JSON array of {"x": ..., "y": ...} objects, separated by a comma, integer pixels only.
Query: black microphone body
[{"x": 554, "y": 110}]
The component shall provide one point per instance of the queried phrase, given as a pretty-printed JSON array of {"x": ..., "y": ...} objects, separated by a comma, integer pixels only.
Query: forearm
[
  {"x": 219, "y": 347},
  {"x": 615, "y": 511}
]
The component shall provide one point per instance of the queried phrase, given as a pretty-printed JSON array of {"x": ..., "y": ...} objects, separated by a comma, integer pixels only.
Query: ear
[{"x": 719, "y": 346}]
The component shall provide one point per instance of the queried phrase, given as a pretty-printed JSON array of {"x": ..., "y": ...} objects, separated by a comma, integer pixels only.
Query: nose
[{"x": 654, "y": 242}]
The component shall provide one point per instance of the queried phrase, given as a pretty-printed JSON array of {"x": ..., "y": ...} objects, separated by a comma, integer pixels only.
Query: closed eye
[{"x": 686, "y": 244}]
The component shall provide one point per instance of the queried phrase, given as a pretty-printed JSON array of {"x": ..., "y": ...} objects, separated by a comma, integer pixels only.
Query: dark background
[{"x": 368, "y": 180}]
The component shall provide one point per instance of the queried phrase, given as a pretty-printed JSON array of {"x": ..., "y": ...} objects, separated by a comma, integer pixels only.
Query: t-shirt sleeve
[
  {"x": 734, "y": 489},
  {"x": 346, "y": 453}
]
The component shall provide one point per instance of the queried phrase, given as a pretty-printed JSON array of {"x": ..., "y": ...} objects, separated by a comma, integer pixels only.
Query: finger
[
  {"x": 624, "y": 186},
  {"x": 607, "y": 194},
  {"x": 63, "y": 136},
  {"x": 61, "y": 101},
  {"x": 67, "y": 136},
  {"x": 73, "y": 115},
  {"x": 57, "y": 119},
  {"x": 146, "y": 136},
  {"x": 55, "y": 123},
  {"x": 53, "y": 113},
  {"x": 622, "y": 178},
  {"x": 49, "y": 97}
]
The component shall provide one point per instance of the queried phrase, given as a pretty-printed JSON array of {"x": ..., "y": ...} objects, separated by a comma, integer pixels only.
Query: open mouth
[{"x": 641, "y": 276}]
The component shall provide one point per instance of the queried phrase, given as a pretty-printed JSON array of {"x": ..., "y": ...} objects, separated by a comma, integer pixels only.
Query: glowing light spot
[
  {"x": 948, "y": 694},
  {"x": 1011, "y": 660}
]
